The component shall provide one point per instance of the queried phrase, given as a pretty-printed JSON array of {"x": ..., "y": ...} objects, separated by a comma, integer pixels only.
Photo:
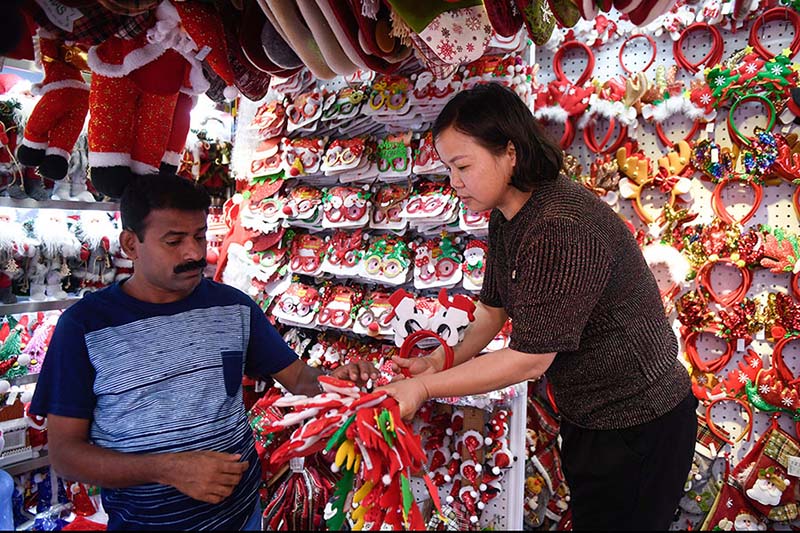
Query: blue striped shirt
[{"x": 163, "y": 378}]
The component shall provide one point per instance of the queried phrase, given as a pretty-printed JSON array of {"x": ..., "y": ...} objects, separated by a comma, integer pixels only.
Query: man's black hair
[{"x": 159, "y": 191}]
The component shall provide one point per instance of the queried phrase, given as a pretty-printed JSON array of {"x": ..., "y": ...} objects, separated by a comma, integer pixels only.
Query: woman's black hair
[
  {"x": 494, "y": 116},
  {"x": 159, "y": 191}
]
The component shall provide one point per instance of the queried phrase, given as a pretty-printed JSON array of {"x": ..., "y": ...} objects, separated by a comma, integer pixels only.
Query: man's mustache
[{"x": 192, "y": 265}]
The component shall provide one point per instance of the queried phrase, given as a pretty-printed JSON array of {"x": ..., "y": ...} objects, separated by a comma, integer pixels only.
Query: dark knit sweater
[{"x": 571, "y": 276}]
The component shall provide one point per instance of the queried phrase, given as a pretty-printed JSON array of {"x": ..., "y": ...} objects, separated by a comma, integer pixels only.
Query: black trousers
[{"x": 631, "y": 478}]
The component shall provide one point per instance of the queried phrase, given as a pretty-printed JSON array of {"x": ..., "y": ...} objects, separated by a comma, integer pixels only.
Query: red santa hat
[
  {"x": 397, "y": 296},
  {"x": 203, "y": 24},
  {"x": 465, "y": 304}
]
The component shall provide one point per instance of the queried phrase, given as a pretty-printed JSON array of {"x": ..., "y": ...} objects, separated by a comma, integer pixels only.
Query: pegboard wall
[{"x": 775, "y": 210}]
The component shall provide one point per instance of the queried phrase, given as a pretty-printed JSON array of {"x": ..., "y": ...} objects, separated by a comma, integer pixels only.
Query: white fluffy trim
[
  {"x": 142, "y": 169},
  {"x": 134, "y": 60},
  {"x": 677, "y": 263},
  {"x": 109, "y": 159},
  {"x": 52, "y": 150},
  {"x": 39, "y": 90},
  {"x": 554, "y": 113},
  {"x": 35, "y": 145},
  {"x": 171, "y": 158}
]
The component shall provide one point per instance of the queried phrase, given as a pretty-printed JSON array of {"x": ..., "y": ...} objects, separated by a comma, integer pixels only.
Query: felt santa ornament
[
  {"x": 57, "y": 120},
  {"x": 136, "y": 87}
]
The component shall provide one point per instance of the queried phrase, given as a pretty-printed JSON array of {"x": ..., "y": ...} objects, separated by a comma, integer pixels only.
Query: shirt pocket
[{"x": 232, "y": 370}]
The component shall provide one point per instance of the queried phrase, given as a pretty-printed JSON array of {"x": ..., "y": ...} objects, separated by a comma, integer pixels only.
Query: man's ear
[{"x": 129, "y": 241}]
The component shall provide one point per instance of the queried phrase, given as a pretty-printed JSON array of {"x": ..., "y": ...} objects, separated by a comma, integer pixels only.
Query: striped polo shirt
[{"x": 163, "y": 378}]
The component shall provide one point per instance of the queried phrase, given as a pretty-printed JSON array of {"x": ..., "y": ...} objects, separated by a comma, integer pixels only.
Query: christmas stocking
[
  {"x": 57, "y": 119},
  {"x": 763, "y": 473}
]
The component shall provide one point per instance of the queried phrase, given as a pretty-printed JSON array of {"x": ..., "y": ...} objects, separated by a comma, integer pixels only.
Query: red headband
[
  {"x": 587, "y": 71},
  {"x": 631, "y": 38},
  {"x": 719, "y": 206},
  {"x": 771, "y": 15},
  {"x": 703, "y": 282},
  {"x": 712, "y": 367},
  {"x": 713, "y": 56}
]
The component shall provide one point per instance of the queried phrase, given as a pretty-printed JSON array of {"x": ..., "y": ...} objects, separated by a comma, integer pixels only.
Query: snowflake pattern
[
  {"x": 446, "y": 50},
  {"x": 763, "y": 389},
  {"x": 743, "y": 377},
  {"x": 729, "y": 503},
  {"x": 776, "y": 70},
  {"x": 787, "y": 401},
  {"x": 474, "y": 23},
  {"x": 754, "y": 362},
  {"x": 445, "y": 33},
  {"x": 702, "y": 380},
  {"x": 470, "y": 47},
  {"x": 705, "y": 99},
  {"x": 458, "y": 29},
  {"x": 750, "y": 68},
  {"x": 719, "y": 81}
]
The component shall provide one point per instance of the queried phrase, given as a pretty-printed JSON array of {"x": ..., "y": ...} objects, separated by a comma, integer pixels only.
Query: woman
[{"x": 585, "y": 308}]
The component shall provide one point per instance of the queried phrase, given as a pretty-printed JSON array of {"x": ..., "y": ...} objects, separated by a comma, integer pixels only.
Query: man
[{"x": 142, "y": 381}]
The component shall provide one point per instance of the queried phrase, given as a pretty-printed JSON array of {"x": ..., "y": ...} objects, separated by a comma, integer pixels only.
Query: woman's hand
[
  {"x": 409, "y": 393},
  {"x": 419, "y": 366}
]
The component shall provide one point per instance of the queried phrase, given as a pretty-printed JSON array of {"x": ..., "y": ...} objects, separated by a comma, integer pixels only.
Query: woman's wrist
[
  {"x": 437, "y": 359},
  {"x": 425, "y": 388}
]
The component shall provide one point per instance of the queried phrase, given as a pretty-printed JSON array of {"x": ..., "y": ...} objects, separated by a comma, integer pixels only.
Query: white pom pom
[
  {"x": 487, "y": 441},
  {"x": 387, "y": 479},
  {"x": 483, "y": 487},
  {"x": 473, "y": 493},
  {"x": 447, "y": 478},
  {"x": 24, "y": 359},
  {"x": 237, "y": 198},
  {"x": 449, "y": 499},
  {"x": 230, "y": 92},
  {"x": 496, "y": 470},
  {"x": 26, "y": 396},
  {"x": 456, "y": 456},
  {"x": 478, "y": 468},
  {"x": 473, "y": 519},
  {"x": 481, "y": 506},
  {"x": 5, "y": 386},
  {"x": 335, "y": 468}
]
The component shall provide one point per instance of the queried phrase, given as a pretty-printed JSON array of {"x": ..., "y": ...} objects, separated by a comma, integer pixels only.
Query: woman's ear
[
  {"x": 511, "y": 152},
  {"x": 128, "y": 241}
]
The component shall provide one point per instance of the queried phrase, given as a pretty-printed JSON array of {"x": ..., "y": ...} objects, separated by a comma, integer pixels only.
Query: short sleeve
[
  {"x": 561, "y": 273},
  {"x": 267, "y": 352},
  {"x": 65, "y": 386},
  {"x": 490, "y": 293}
]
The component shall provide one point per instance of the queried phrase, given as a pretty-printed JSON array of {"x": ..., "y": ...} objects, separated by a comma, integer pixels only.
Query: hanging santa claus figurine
[
  {"x": 57, "y": 120},
  {"x": 142, "y": 92}
]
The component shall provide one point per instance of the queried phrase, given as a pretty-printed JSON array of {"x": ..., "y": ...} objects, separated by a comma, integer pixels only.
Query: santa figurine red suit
[
  {"x": 136, "y": 90},
  {"x": 57, "y": 120}
]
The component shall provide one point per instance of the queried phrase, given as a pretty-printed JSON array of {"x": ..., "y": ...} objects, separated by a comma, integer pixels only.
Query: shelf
[
  {"x": 69, "y": 205},
  {"x": 27, "y": 465},
  {"x": 27, "y": 379},
  {"x": 34, "y": 307}
]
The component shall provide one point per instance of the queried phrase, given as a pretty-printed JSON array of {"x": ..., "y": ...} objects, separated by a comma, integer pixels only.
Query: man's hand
[
  {"x": 359, "y": 372},
  {"x": 409, "y": 393},
  {"x": 205, "y": 476}
]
